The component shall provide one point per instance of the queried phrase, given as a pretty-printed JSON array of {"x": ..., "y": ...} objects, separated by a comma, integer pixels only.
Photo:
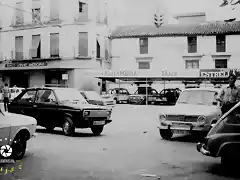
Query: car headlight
[
  {"x": 86, "y": 113},
  {"x": 201, "y": 119},
  {"x": 162, "y": 117}
]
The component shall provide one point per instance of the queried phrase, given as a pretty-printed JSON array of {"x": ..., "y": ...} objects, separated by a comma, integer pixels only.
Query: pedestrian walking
[
  {"x": 6, "y": 96},
  {"x": 229, "y": 95}
]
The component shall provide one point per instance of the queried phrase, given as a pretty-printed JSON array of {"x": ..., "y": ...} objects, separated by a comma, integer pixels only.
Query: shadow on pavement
[
  {"x": 187, "y": 138},
  {"x": 220, "y": 170},
  {"x": 59, "y": 132}
]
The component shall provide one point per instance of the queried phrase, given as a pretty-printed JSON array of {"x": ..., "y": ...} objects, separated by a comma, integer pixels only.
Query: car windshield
[
  {"x": 197, "y": 97},
  {"x": 92, "y": 95},
  {"x": 71, "y": 95}
]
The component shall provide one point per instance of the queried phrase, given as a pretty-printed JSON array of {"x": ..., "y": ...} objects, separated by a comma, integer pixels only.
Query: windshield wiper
[
  {"x": 201, "y": 103},
  {"x": 183, "y": 102}
]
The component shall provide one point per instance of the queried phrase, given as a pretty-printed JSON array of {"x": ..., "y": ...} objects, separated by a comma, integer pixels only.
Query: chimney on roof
[{"x": 191, "y": 18}]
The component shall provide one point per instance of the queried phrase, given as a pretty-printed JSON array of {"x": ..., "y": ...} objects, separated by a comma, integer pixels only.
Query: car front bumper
[{"x": 202, "y": 149}]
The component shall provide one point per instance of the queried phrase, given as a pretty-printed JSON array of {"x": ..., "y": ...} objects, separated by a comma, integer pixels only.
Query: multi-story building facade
[
  {"x": 52, "y": 41},
  {"x": 177, "y": 47}
]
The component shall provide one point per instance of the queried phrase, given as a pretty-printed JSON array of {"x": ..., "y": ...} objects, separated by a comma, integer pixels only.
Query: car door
[
  {"x": 47, "y": 107},
  {"x": 5, "y": 129},
  {"x": 24, "y": 103}
]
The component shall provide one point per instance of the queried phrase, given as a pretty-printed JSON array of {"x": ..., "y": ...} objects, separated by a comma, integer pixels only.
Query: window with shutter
[
  {"x": 83, "y": 44},
  {"x": 54, "y": 44},
  {"x": 19, "y": 47}
]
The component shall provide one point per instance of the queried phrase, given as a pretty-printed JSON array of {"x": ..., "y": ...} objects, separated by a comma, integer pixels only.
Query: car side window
[
  {"x": 27, "y": 97},
  {"x": 46, "y": 96}
]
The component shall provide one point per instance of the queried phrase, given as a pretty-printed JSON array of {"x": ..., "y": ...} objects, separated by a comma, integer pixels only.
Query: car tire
[
  {"x": 97, "y": 130},
  {"x": 19, "y": 147},
  {"x": 68, "y": 127},
  {"x": 165, "y": 134}
]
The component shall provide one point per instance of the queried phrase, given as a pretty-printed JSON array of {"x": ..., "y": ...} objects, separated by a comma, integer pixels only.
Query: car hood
[
  {"x": 190, "y": 110},
  {"x": 83, "y": 106},
  {"x": 19, "y": 120}
]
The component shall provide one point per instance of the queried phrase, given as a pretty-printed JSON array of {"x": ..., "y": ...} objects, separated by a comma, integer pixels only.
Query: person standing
[
  {"x": 229, "y": 95},
  {"x": 6, "y": 96}
]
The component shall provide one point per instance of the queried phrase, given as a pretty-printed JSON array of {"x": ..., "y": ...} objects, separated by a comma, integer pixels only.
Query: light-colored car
[
  {"x": 195, "y": 110},
  {"x": 94, "y": 98},
  {"x": 118, "y": 94},
  {"x": 15, "y": 131}
]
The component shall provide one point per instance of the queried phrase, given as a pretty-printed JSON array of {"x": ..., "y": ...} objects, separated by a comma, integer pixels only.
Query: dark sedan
[{"x": 60, "y": 107}]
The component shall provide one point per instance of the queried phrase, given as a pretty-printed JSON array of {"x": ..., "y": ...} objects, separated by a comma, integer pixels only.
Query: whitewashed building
[
  {"x": 52, "y": 41},
  {"x": 193, "y": 43}
]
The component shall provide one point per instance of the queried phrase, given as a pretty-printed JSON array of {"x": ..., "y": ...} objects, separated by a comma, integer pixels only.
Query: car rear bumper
[{"x": 202, "y": 149}]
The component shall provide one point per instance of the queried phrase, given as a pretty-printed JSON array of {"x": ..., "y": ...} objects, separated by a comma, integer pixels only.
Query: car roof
[
  {"x": 203, "y": 89},
  {"x": 49, "y": 88}
]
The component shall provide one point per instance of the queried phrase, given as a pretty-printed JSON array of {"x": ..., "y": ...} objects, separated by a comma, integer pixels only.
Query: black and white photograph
[{"x": 119, "y": 89}]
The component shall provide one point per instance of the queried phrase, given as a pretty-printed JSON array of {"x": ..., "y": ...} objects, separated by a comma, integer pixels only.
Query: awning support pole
[{"x": 146, "y": 92}]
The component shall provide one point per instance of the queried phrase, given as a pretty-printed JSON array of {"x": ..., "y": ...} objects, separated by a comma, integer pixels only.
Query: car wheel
[
  {"x": 165, "y": 134},
  {"x": 68, "y": 126},
  {"x": 97, "y": 130},
  {"x": 19, "y": 147}
]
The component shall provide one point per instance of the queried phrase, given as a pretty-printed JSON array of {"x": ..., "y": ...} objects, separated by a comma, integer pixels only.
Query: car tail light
[{"x": 86, "y": 113}]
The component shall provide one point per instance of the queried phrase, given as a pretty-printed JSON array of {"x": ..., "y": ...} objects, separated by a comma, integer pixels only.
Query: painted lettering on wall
[
  {"x": 26, "y": 64},
  {"x": 169, "y": 74},
  {"x": 214, "y": 73},
  {"x": 120, "y": 73}
]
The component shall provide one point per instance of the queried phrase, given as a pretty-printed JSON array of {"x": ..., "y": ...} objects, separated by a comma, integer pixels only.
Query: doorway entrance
[{"x": 19, "y": 79}]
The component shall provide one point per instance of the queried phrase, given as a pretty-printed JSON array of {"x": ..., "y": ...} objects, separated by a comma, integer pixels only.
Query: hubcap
[
  {"x": 19, "y": 146},
  {"x": 66, "y": 127}
]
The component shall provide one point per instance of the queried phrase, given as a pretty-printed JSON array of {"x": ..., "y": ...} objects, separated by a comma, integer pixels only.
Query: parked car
[
  {"x": 139, "y": 97},
  {"x": 15, "y": 131},
  {"x": 60, "y": 107},
  {"x": 194, "y": 112},
  {"x": 169, "y": 96},
  {"x": 120, "y": 95},
  {"x": 223, "y": 139},
  {"x": 93, "y": 97}
]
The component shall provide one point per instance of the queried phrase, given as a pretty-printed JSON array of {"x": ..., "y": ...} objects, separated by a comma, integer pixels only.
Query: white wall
[{"x": 168, "y": 52}]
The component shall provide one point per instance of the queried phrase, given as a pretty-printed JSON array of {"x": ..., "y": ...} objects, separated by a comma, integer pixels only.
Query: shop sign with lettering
[
  {"x": 26, "y": 64},
  {"x": 120, "y": 73},
  {"x": 214, "y": 73},
  {"x": 169, "y": 74}
]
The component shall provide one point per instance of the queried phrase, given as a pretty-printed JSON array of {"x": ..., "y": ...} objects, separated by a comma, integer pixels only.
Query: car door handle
[{"x": 34, "y": 106}]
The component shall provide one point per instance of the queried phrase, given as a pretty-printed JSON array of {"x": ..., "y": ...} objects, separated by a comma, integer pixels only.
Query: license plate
[
  {"x": 184, "y": 132},
  {"x": 98, "y": 122}
]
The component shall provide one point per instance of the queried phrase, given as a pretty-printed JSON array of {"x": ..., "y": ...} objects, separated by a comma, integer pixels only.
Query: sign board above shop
[
  {"x": 146, "y": 74},
  {"x": 218, "y": 73},
  {"x": 25, "y": 64}
]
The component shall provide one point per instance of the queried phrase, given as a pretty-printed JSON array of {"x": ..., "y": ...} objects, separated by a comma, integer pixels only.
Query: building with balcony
[
  {"x": 177, "y": 47},
  {"x": 52, "y": 42}
]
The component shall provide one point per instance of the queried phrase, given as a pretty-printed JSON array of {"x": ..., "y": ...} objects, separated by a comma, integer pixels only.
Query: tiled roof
[{"x": 203, "y": 29}]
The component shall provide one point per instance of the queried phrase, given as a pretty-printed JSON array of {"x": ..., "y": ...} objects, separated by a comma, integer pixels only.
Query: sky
[{"x": 126, "y": 12}]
